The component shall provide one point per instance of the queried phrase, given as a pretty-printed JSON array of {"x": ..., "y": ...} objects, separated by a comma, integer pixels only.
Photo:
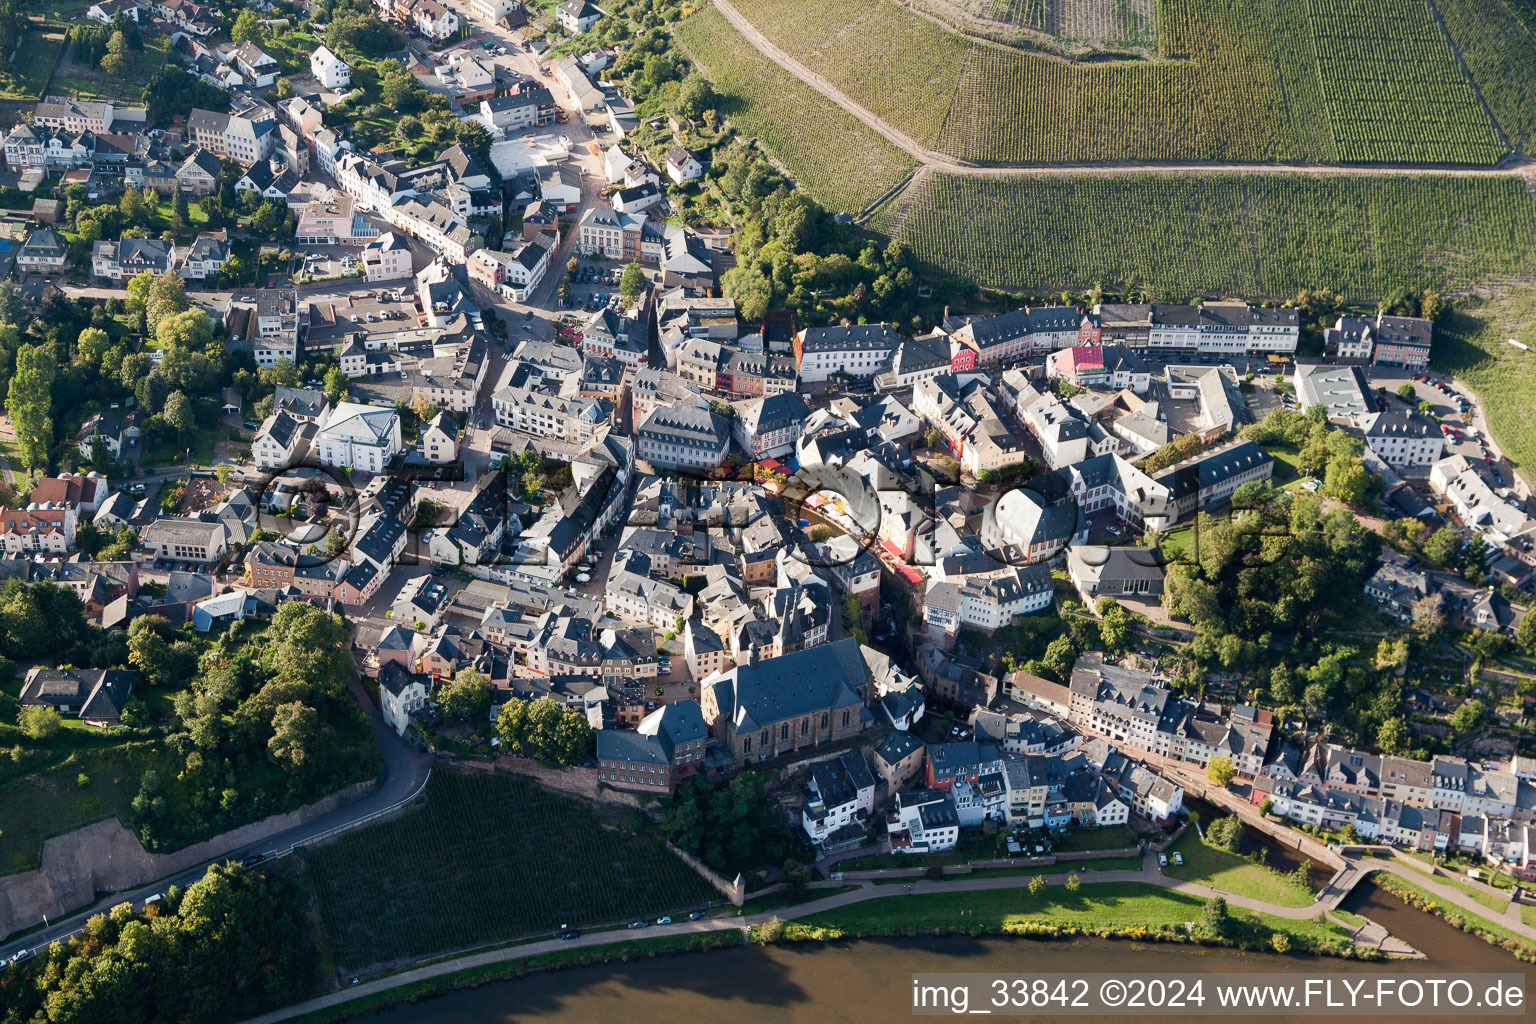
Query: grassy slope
[
  {"x": 1474, "y": 346},
  {"x": 1253, "y": 235},
  {"x": 833, "y": 156},
  {"x": 51, "y": 801},
  {"x": 1230, "y": 873},
  {"x": 523, "y": 860}
]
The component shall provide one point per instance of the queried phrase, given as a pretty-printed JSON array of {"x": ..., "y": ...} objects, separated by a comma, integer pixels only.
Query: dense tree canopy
[
  {"x": 230, "y": 946},
  {"x": 732, "y": 826}
]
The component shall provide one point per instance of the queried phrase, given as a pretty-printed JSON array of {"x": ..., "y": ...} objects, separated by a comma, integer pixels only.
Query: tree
[
  {"x": 468, "y": 696},
  {"x": 512, "y": 725},
  {"x": 179, "y": 208},
  {"x": 1225, "y": 833},
  {"x": 1468, "y": 716},
  {"x": 1405, "y": 391},
  {"x": 631, "y": 283},
  {"x": 1215, "y": 919},
  {"x": 1221, "y": 771},
  {"x": 39, "y": 721},
  {"x": 1037, "y": 885},
  {"x": 1525, "y": 633},
  {"x": 335, "y": 385},
  {"x": 295, "y": 736},
  {"x": 694, "y": 96},
  {"x": 1443, "y": 546},
  {"x": 1347, "y": 480},
  {"x": 247, "y": 27},
  {"x": 1428, "y": 616},
  {"x": 1392, "y": 736},
  {"x": 1074, "y": 883},
  {"x": 178, "y": 412},
  {"x": 30, "y": 405}
]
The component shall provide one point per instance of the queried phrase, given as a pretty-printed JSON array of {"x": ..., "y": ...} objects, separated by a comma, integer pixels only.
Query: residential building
[
  {"x": 683, "y": 166},
  {"x": 44, "y": 252},
  {"x": 1403, "y": 438},
  {"x": 386, "y": 258},
  {"x": 769, "y": 426},
  {"x": 359, "y": 437},
  {"x": 576, "y": 16},
  {"x": 838, "y": 800},
  {"x": 330, "y": 70},
  {"x": 859, "y": 350},
  {"x": 1115, "y": 571},
  {"x": 127, "y": 258},
  {"x": 923, "y": 821},
  {"x": 683, "y": 437},
  {"x": 181, "y": 539},
  {"x": 95, "y": 696}
]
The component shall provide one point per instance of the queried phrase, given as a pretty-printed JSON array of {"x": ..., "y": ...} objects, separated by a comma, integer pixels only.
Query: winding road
[
  {"x": 933, "y": 160},
  {"x": 405, "y": 773}
]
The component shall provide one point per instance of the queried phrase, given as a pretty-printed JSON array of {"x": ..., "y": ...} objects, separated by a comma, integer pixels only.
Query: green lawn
[
  {"x": 488, "y": 858},
  {"x": 35, "y": 60},
  {"x": 1286, "y": 461},
  {"x": 1096, "y": 905},
  {"x": 1115, "y": 837},
  {"x": 789, "y": 898},
  {"x": 1231, "y": 873},
  {"x": 1494, "y": 902}
]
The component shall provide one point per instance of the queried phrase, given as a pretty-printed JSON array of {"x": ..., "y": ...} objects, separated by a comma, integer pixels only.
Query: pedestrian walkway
[{"x": 1149, "y": 874}]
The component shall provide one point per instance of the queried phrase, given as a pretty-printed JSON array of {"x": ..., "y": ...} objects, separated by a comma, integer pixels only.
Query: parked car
[
  {"x": 1162, "y": 860},
  {"x": 1178, "y": 860},
  {"x": 664, "y": 920},
  {"x": 696, "y": 915},
  {"x": 572, "y": 934},
  {"x": 636, "y": 924}
]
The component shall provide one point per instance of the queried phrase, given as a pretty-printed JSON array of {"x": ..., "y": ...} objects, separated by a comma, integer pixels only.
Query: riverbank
[
  {"x": 506, "y": 970},
  {"x": 1107, "y": 910},
  {"x": 1490, "y": 932},
  {"x": 1132, "y": 905}
]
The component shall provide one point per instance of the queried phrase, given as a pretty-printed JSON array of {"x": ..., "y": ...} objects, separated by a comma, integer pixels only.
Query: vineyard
[
  {"x": 486, "y": 857},
  {"x": 1224, "y": 234},
  {"x": 1500, "y": 52},
  {"x": 1239, "y": 80},
  {"x": 832, "y": 155},
  {"x": 1393, "y": 88},
  {"x": 1236, "y": 92},
  {"x": 1092, "y": 23}
]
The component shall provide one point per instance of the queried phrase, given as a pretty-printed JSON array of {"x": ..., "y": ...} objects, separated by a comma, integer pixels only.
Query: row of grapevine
[
  {"x": 1233, "y": 92},
  {"x": 1394, "y": 90},
  {"x": 523, "y": 860},
  {"x": 1178, "y": 236},
  {"x": 837, "y": 159},
  {"x": 1500, "y": 52},
  {"x": 1248, "y": 81}
]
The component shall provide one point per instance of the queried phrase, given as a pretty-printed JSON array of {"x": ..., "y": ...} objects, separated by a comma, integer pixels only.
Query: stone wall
[{"x": 106, "y": 858}]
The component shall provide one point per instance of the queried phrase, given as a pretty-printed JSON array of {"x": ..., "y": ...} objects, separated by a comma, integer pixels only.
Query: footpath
[{"x": 1149, "y": 874}]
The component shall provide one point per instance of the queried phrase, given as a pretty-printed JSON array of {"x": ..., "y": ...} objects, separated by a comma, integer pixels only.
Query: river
[{"x": 868, "y": 982}]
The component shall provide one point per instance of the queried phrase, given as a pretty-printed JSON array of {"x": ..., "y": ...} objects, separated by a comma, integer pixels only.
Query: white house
[
  {"x": 576, "y": 16},
  {"x": 841, "y": 793},
  {"x": 402, "y": 693},
  {"x": 280, "y": 442},
  {"x": 683, "y": 166},
  {"x": 923, "y": 821},
  {"x": 331, "y": 70},
  {"x": 439, "y": 440},
  {"x": 363, "y": 437}
]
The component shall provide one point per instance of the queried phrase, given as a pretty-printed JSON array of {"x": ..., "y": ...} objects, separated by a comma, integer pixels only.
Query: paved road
[
  {"x": 932, "y": 160},
  {"x": 405, "y": 770}
]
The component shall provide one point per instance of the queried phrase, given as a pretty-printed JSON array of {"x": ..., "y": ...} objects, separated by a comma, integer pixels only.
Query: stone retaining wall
[{"x": 106, "y": 858}]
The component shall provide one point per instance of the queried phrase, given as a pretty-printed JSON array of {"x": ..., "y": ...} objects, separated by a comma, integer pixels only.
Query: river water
[{"x": 869, "y": 982}]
